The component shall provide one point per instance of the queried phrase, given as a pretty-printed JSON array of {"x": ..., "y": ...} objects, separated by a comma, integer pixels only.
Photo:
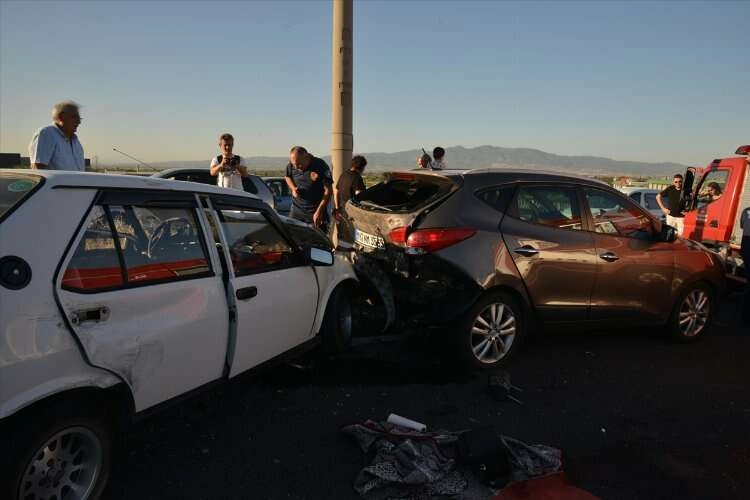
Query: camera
[{"x": 232, "y": 164}]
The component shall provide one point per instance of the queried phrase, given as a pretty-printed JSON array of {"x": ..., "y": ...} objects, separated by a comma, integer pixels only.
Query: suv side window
[
  {"x": 153, "y": 245},
  {"x": 255, "y": 246},
  {"x": 612, "y": 214},
  {"x": 553, "y": 206},
  {"x": 497, "y": 197}
]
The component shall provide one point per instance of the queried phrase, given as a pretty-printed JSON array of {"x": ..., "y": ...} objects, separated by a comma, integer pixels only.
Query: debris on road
[
  {"x": 501, "y": 389},
  {"x": 474, "y": 464},
  {"x": 406, "y": 422}
]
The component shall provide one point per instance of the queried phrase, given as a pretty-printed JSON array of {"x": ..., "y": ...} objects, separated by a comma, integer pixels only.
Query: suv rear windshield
[
  {"x": 14, "y": 189},
  {"x": 404, "y": 192}
]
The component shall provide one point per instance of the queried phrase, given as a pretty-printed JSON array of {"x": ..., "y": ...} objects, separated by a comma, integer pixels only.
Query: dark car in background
[
  {"x": 281, "y": 193},
  {"x": 490, "y": 252},
  {"x": 252, "y": 183}
]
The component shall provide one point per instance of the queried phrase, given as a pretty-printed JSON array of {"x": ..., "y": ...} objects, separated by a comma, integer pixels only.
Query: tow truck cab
[{"x": 717, "y": 202}]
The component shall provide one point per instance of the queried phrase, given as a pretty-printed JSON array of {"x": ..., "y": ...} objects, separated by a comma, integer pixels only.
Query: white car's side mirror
[{"x": 320, "y": 257}]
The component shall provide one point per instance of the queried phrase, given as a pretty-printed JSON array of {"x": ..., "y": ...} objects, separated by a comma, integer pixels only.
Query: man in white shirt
[
  {"x": 229, "y": 168},
  {"x": 56, "y": 146}
]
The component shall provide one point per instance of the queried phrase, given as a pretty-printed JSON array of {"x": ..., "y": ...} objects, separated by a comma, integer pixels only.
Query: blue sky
[{"x": 646, "y": 81}]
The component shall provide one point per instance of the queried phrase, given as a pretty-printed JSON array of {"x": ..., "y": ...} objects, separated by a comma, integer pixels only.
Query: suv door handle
[
  {"x": 609, "y": 256},
  {"x": 526, "y": 250},
  {"x": 96, "y": 315},
  {"x": 246, "y": 293}
]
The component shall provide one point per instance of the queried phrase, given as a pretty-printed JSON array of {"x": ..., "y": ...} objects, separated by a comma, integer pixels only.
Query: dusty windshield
[{"x": 14, "y": 189}]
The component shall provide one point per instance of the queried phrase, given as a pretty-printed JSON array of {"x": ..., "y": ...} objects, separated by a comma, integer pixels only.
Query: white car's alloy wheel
[{"x": 65, "y": 467}]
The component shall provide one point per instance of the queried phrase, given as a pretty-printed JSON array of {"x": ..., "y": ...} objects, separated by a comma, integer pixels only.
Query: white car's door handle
[
  {"x": 95, "y": 315},
  {"x": 246, "y": 293}
]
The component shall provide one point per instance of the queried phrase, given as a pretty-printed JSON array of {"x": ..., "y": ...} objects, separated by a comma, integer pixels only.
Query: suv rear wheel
[{"x": 492, "y": 331}]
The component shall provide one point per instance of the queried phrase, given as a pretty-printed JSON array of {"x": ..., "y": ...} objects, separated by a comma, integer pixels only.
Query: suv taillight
[
  {"x": 431, "y": 240},
  {"x": 398, "y": 236}
]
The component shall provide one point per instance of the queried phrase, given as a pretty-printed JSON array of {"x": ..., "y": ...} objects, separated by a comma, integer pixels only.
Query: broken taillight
[
  {"x": 432, "y": 240},
  {"x": 398, "y": 236}
]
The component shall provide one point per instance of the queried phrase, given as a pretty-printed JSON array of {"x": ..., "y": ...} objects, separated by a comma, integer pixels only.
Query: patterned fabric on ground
[{"x": 414, "y": 465}]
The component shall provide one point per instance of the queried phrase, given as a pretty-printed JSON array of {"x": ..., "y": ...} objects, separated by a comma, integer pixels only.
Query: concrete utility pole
[{"x": 342, "y": 141}]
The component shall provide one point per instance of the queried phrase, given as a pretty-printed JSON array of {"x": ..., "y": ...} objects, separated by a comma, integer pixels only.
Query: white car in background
[
  {"x": 119, "y": 293},
  {"x": 646, "y": 198}
]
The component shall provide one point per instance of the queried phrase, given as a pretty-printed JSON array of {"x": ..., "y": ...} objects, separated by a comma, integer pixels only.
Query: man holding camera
[{"x": 229, "y": 168}]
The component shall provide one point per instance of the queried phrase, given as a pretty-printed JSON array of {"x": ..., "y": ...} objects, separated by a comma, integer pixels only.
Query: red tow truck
[{"x": 717, "y": 202}]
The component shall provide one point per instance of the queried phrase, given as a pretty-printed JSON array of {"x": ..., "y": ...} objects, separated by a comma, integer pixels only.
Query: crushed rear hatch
[{"x": 397, "y": 203}]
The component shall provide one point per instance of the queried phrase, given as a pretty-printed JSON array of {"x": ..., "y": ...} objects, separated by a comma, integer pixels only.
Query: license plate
[{"x": 368, "y": 240}]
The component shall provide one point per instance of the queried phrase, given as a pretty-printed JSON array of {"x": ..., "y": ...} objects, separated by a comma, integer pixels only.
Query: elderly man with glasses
[
  {"x": 56, "y": 146},
  {"x": 673, "y": 207}
]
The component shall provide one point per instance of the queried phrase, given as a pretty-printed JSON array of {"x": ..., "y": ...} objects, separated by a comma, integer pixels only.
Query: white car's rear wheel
[
  {"x": 337, "y": 321},
  {"x": 65, "y": 460}
]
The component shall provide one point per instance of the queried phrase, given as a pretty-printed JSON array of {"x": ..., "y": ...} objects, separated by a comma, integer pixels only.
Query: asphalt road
[{"x": 636, "y": 415}]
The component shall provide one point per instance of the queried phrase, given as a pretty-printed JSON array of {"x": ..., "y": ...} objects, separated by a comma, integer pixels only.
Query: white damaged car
[{"x": 119, "y": 293}]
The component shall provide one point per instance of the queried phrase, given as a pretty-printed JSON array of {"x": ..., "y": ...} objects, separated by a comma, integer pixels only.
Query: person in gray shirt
[{"x": 56, "y": 146}]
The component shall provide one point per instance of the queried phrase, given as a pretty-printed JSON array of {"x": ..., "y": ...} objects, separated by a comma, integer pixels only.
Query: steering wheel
[{"x": 161, "y": 231}]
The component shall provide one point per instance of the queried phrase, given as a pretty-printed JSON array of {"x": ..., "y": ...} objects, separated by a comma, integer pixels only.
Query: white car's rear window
[{"x": 14, "y": 189}]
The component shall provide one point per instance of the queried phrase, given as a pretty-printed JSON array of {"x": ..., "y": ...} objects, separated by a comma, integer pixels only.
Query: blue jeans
[{"x": 303, "y": 215}]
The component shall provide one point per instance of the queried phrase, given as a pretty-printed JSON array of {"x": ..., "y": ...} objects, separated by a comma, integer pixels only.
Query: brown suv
[{"x": 489, "y": 250}]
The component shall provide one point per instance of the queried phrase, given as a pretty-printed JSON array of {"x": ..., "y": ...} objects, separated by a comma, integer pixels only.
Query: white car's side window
[
  {"x": 152, "y": 245},
  {"x": 95, "y": 265},
  {"x": 254, "y": 244}
]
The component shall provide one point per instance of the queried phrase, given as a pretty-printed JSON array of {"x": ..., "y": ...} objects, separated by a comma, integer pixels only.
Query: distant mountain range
[{"x": 481, "y": 157}]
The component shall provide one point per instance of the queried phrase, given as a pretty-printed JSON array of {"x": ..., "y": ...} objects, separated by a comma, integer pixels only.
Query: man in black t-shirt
[
  {"x": 350, "y": 184},
  {"x": 669, "y": 201},
  {"x": 309, "y": 178}
]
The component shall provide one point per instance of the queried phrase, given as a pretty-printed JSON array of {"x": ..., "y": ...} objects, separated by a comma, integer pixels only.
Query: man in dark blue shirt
[{"x": 309, "y": 178}]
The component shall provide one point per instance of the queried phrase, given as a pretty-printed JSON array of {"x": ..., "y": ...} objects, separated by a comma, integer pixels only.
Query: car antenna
[
  {"x": 428, "y": 156},
  {"x": 134, "y": 158}
]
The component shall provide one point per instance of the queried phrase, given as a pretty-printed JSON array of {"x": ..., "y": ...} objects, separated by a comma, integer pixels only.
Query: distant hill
[{"x": 482, "y": 157}]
